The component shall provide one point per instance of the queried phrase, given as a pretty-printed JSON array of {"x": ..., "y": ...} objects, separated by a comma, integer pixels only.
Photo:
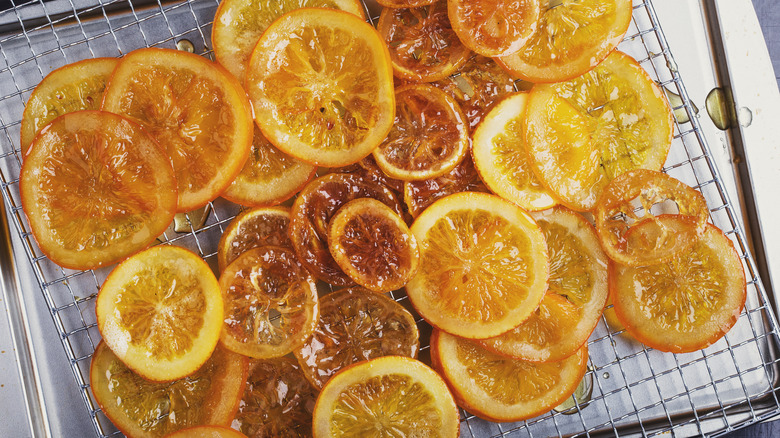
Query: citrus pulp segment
[
  {"x": 418, "y": 195},
  {"x": 322, "y": 86},
  {"x": 495, "y": 27},
  {"x": 206, "y": 432},
  {"x": 252, "y": 229},
  {"x": 483, "y": 265}
]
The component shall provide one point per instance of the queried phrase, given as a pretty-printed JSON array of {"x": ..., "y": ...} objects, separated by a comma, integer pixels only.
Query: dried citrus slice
[
  {"x": 571, "y": 38},
  {"x": 418, "y": 195},
  {"x": 143, "y": 409},
  {"x": 386, "y": 396},
  {"x": 501, "y": 389},
  {"x": 356, "y": 325},
  {"x": 423, "y": 46},
  {"x": 661, "y": 239},
  {"x": 578, "y": 291},
  {"x": 368, "y": 168},
  {"x": 253, "y": 229},
  {"x": 74, "y": 87},
  {"x": 494, "y": 27},
  {"x": 270, "y": 303},
  {"x": 429, "y": 138},
  {"x": 322, "y": 86},
  {"x": 583, "y": 133},
  {"x": 238, "y": 25},
  {"x": 500, "y": 156},
  {"x": 206, "y": 432},
  {"x": 160, "y": 312},
  {"x": 687, "y": 303},
  {"x": 278, "y": 400},
  {"x": 483, "y": 265},
  {"x": 87, "y": 209}
]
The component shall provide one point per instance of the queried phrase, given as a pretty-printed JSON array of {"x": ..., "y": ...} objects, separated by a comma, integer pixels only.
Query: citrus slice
[
  {"x": 160, "y": 312},
  {"x": 270, "y": 303},
  {"x": 368, "y": 168},
  {"x": 404, "y": 3},
  {"x": 312, "y": 211},
  {"x": 269, "y": 176},
  {"x": 143, "y": 409},
  {"x": 194, "y": 108},
  {"x": 386, "y": 396},
  {"x": 483, "y": 265},
  {"x": 206, "y": 432},
  {"x": 74, "y": 87},
  {"x": 577, "y": 293},
  {"x": 662, "y": 237},
  {"x": 687, "y": 303},
  {"x": 322, "y": 86},
  {"x": 494, "y": 27},
  {"x": 500, "y": 156},
  {"x": 238, "y": 25},
  {"x": 418, "y": 195},
  {"x": 356, "y": 325},
  {"x": 423, "y": 46},
  {"x": 278, "y": 400},
  {"x": 253, "y": 229},
  {"x": 570, "y": 39},
  {"x": 429, "y": 138},
  {"x": 86, "y": 209},
  {"x": 583, "y": 133},
  {"x": 501, "y": 389}
]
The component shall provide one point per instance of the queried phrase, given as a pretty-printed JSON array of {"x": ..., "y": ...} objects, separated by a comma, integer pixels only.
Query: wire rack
[{"x": 634, "y": 390}]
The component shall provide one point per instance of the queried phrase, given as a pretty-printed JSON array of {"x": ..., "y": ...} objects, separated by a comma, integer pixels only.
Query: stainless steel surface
[{"x": 635, "y": 391}]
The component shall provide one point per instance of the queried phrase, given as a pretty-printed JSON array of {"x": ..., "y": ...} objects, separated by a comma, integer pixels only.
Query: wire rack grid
[{"x": 633, "y": 390}]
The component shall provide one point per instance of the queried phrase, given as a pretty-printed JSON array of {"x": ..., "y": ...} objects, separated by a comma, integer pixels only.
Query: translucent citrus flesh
[
  {"x": 74, "y": 87},
  {"x": 238, "y": 25},
  {"x": 207, "y": 432},
  {"x": 253, "y": 229},
  {"x": 494, "y": 28},
  {"x": 96, "y": 188},
  {"x": 418, "y": 195}
]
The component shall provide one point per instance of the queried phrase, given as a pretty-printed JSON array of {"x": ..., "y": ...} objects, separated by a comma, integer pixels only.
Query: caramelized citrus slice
[
  {"x": 571, "y": 38},
  {"x": 74, "y": 87},
  {"x": 356, "y": 325},
  {"x": 577, "y": 294},
  {"x": 687, "y": 303},
  {"x": 501, "y": 389},
  {"x": 238, "y": 25},
  {"x": 483, "y": 265},
  {"x": 386, "y": 396},
  {"x": 253, "y": 229},
  {"x": 429, "y": 138},
  {"x": 418, "y": 195},
  {"x": 143, "y": 409},
  {"x": 206, "y": 432},
  {"x": 501, "y": 158},
  {"x": 313, "y": 210},
  {"x": 368, "y": 168},
  {"x": 404, "y": 3},
  {"x": 278, "y": 400},
  {"x": 583, "y": 133},
  {"x": 423, "y": 46},
  {"x": 661, "y": 238},
  {"x": 96, "y": 188},
  {"x": 270, "y": 303},
  {"x": 494, "y": 27},
  {"x": 160, "y": 312},
  {"x": 322, "y": 86},
  {"x": 195, "y": 109}
]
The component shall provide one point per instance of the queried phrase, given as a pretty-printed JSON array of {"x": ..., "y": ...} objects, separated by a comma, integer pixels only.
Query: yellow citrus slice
[
  {"x": 483, "y": 265},
  {"x": 206, "y": 432},
  {"x": 322, "y": 86},
  {"x": 160, "y": 312},
  {"x": 253, "y": 229},
  {"x": 386, "y": 396},
  {"x": 500, "y": 156},
  {"x": 494, "y": 27},
  {"x": 418, "y": 195}
]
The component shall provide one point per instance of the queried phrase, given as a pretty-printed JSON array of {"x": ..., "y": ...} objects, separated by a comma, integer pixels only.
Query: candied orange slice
[
  {"x": 500, "y": 156},
  {"x": 74, "y": 87},
  {"x": 494, "y": 27},
  {"x": 583, "y": 133},
  {"x": 429, "y": 138},
  {"x": 160, "y": 312},
  {"x": 501, "y": 389},
  {"x": 144, "y": 409},
  {"x": 418, "y": 195},
  {"x": 483, "y": 265},
  {"x": 356, "y": 325},
  {"x": 206, "y": 432},
  {"x": 195, "y": 109},
  {"x": 687, "y": 303},
  {"x": 322, "y": 86},
  {"x": 86, "y": 207},
  {"x": 386, "y": 396},
  {"x": 571, "y": 38},
  {"x": 253, "y": 229},
  {"x": 404, "y": 3},
  {"x": 423, "y": 46}
]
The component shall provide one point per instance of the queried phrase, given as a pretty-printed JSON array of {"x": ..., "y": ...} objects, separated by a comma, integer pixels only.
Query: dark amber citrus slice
[
  {"x": 418, "y": 195},
  {"x": 253, "y": 229}
]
